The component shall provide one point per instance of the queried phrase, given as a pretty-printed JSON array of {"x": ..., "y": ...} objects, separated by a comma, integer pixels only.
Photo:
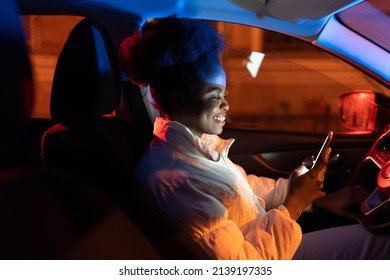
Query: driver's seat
[{"x": 98, "y": 147}]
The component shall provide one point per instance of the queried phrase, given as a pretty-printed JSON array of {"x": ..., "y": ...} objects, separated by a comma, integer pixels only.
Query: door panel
[{"x": 277, "y": 154}]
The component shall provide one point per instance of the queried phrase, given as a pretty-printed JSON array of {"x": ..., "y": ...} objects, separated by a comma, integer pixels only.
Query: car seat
[
  {"x": 45, "y": 213},
  {"x": 99, "y": 147}
]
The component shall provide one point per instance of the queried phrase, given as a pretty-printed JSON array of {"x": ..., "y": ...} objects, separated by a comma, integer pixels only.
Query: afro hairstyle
[{"x": 171, "y": 53}]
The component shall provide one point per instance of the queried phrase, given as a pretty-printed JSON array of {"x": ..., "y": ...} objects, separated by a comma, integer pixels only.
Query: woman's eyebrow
[{"x": 212, "y": 90}]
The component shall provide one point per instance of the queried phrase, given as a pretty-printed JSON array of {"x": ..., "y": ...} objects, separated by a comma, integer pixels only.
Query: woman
[{"x": 232, "y": 215}]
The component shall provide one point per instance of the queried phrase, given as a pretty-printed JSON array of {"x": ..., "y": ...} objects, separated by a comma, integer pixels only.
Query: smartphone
[{"x": 324, "y": 146}]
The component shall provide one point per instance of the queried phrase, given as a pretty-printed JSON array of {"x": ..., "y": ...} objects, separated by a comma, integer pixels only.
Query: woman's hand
[
  {"x": 343, "y": 201},
  {"x": 305, "y": 187}
]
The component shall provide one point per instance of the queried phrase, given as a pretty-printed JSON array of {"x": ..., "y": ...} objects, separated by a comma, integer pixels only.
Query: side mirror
[{"x": 364, "y": 110}]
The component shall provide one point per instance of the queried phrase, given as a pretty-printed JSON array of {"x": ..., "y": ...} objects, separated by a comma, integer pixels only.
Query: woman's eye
[{"x": 217, "y": 95}]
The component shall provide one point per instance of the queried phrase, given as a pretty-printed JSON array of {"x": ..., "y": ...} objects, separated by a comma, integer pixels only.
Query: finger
[
  {"x": 359, "y": 198},
  {"x": 308, "y": 161},
  {"x": 358, "y": 193},
  {"x": 302, "y": 169},
  {"x": 325, "y": 157},
  {"x": 349, "y": 215},
  {"x": 318, "y": 179},
  {"x": 358, "y": 189},
  {"x": 321, "y": 164}
]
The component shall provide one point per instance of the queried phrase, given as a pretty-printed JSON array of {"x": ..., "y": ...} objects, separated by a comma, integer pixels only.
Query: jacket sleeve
[
  {"x": 272, "y": 191},
  {"x": 274, "y": 237}
]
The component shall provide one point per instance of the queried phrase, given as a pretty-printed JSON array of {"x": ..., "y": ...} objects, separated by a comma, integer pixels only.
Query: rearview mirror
[
  {"x": 358, "y": 110},
  {"x": 365, "y": 110}
]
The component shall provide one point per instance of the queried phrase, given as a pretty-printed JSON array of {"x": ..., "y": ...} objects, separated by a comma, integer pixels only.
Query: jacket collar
[{"x": 182, "y": 139}]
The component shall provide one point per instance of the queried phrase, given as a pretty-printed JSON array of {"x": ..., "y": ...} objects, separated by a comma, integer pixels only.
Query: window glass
[
  {"x": 45, "y": 38},
  {"x": 280, "y": 95},
  {"x": 295, "y": 88}
]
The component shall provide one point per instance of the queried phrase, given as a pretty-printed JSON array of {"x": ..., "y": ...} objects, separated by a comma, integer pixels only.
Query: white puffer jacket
[{"x": 231, "y": 214}]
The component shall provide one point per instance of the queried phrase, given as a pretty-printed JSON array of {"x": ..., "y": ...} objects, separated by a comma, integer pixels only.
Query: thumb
[
  {"x": 321, "y": 194},
  {"x": 302, "y": 169}
]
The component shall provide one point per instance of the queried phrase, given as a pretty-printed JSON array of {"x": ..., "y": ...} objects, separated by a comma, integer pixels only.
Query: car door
[{"x": 276, "y": 154}]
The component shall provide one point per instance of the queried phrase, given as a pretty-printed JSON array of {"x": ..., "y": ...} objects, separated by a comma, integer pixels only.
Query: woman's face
[{"x": 204, "y": 111}]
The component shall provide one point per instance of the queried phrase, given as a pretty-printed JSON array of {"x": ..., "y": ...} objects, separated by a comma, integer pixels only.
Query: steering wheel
[{"x": 375, "y": 210}]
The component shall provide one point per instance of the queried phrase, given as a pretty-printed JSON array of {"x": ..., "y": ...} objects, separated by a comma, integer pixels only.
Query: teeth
[{"x": 219, "y": 118}]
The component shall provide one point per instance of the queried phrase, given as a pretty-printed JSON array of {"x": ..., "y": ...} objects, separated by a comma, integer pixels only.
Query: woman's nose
[{"x": 225, "y": 105}]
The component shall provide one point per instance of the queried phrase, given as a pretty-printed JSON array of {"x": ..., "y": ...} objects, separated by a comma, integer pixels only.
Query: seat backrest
[
  {"x": 104, "y": 150},
  {"x": 86, "y": 87}
]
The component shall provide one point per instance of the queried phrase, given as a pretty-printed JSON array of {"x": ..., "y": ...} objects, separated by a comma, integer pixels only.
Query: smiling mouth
[{"x": 220, "y": 118}]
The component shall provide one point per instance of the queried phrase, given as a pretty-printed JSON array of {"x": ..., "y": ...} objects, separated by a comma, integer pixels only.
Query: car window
[
  {"x": 271, "y": 93},
  {"x": 294, "y": 87},
  {"x": 45, "y": 37}
]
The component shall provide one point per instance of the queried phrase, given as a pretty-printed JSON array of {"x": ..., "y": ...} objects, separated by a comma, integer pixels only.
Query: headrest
[
  {"x": 16, "y": 84},
  {"x": 86, "y": 81}
]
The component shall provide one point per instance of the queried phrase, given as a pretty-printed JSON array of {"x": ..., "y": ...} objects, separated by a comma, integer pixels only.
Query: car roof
[
  {"x": 314, "y": 21},
  {"x": 302, "y": 18}
]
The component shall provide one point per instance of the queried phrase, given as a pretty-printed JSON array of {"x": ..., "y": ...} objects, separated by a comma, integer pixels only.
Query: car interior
[{"x": 68, "y": 183}]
